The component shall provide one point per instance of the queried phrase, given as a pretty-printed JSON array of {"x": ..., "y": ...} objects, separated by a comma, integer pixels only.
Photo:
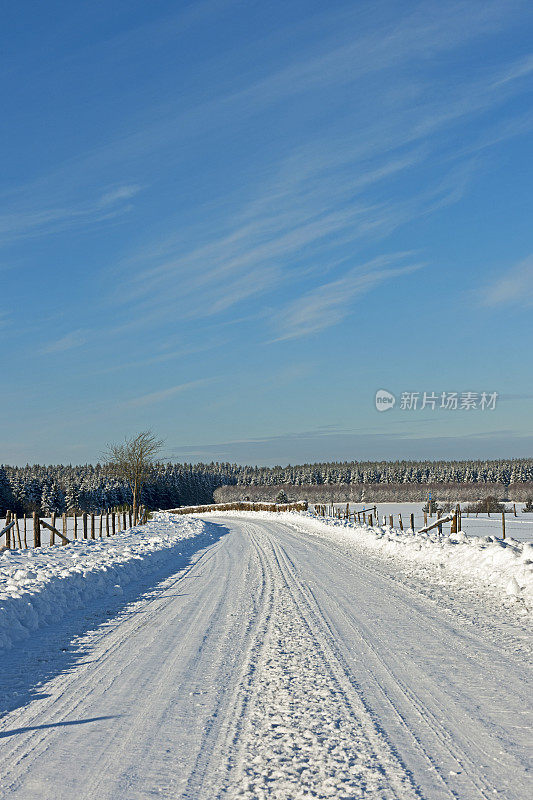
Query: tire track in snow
[
  {"x": 255, "y": 683},
  {"x": 215, "y": 758},
  {"x": 307, "y": 735},
  {"x": 448, "y": 755},
  {"x": 70, "y": 695},
  {"x": 455, "y": 755}
]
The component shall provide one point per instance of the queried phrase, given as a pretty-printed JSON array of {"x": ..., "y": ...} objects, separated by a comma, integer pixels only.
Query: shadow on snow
[{"x": 53, "y": 649}]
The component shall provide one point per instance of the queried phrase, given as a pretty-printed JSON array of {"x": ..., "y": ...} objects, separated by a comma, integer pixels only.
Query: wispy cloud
[
  {"x": 333, "y": 190},
  {"x": 328, "y": 304},
  {"x": 342, "y": 184},
  {"x": 71, "y": 340},
  {"x": 279, "y": 240},
  {"x": 25, "y": 222},
  {"x": 513, "y": 287},
  {"x": 161, "y": 358},
  {"x": 413, "y": 442},
  {"x": 119, "y": 193},
  {"x": 521, "y": 68},
  {"x": 164, "y": 394},
  {"x": 347, "y": 59},
  {"x": 430, "y": 28}
]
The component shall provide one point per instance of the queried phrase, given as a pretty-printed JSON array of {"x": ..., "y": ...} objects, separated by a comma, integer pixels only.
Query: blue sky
[{"x": 234, "y": 222}]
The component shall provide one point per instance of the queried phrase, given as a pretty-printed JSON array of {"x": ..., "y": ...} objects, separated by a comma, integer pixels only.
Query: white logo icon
[{"x": 384, "y": 400}]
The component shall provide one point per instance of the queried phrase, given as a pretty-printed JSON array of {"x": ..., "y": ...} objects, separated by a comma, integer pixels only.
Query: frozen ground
[{"x": 269, "y": 656}]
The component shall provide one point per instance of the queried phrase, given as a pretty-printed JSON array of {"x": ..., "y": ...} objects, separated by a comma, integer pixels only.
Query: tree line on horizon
[{"x": 60, "y": 488}]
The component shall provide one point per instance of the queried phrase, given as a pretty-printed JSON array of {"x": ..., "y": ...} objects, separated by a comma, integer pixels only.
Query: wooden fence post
[
  {"x": 75, "y": 525},
  {"x": 454, "y": 523},
  {"x": 101, "y": 528},
  {"x": 123, "y": 520},
  {"x": 401, "y": 523},
  {"x": 6, "y": 529},
  {"x": 8, "y": 533},
  {"x": 503, "y": 524},
  {"x": 65, "y": 528},
  {"x": 130, "y": 517},
  {"x": 413, "y": 522},
  {"x": 113, "y": 523},
  {"x": 52, "y": 534},
  {"x": 391, "y": 521},
  {"x": 36, "y": 530},
  {"x": 107, "y": 524},
  {"x": 25, "y": 527},
  {"x": 84, "y": 521},
  {"x": 18, "y": 533},
  {"x": 93, "y": 533},
  {"x": 370, "y": 520},
  {"x": 514, "y": 509}
]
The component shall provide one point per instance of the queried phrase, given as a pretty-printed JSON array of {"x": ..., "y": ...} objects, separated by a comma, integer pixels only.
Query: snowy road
[{"x": 273, "y": 666}]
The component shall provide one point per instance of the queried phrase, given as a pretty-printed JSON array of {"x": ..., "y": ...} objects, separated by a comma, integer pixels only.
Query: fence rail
[{"x": 18, "y": 530}]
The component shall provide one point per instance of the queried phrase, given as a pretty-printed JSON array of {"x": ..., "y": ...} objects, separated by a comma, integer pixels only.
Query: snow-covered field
[
  {"x": 264, "y": 656},
  {"x": 519, "y": 527}
]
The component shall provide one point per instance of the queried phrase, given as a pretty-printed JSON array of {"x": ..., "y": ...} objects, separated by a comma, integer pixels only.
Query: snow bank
[
  {"x": 506, "y": 565},
  {"x": 39, "y": 586}
]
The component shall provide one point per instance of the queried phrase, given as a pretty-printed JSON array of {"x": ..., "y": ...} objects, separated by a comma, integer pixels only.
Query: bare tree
[{"x": 133, "y": 461}]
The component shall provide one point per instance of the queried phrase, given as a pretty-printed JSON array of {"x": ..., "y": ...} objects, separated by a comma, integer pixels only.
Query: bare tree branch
[{"x": 133, "y": 461}]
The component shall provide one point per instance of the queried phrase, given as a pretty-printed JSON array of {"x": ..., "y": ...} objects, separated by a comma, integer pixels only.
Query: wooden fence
[
  {"x": 240, "y": 506},
  {"x": 370, "y": 514},
  {"x": 18, "y": 530}
]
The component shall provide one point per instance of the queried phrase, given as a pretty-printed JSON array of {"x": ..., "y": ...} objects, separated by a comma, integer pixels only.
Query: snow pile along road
[
  {"x": 505, "y": 565},
  {"x": 39, "y": 586}
]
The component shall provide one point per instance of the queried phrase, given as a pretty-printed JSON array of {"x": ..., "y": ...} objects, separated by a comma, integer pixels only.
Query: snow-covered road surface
[{"x": 273, "y": 665}]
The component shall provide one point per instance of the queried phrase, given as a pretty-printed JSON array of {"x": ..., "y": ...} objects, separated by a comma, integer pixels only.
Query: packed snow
[
  {"x": 39, "y": 585},
  {"x": 261, "y": 656},
  {"x": 506, "y": 565}
]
